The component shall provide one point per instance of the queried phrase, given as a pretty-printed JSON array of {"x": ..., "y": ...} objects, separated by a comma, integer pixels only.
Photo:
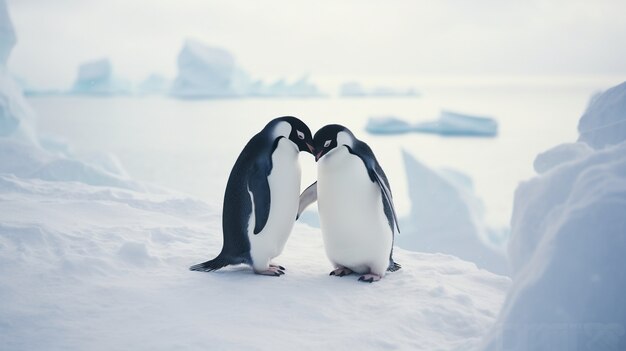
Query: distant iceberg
[
  {"x": 96, "y": 77},
  {"x": 154, "y": 84},
  {"x": 7, "y": 34},
  {"x": 448, "y": 124},
  {"x": 206, "y": 71},
  {"x": 447, "y": 217},
  {"x": 211, "y": 72},
  {"x": 355, "y": 89}
]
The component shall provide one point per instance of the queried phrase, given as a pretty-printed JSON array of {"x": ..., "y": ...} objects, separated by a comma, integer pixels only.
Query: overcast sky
[{"x": 338, "y": 37}]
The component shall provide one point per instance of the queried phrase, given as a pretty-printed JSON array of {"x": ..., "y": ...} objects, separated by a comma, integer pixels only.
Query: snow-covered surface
[
  {"x": 448, "y": 124},
  {"x": 89, "y": 267},
  {"x": 604, "y": 122},
  {"x": 447, "y": 217},
  {"x": 96, "y": 77},
  {"x": 567, "y": 247},
  {"x": 356, "y": 89}
]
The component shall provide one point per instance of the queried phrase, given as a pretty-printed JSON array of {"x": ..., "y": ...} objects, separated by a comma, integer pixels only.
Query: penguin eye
[
  {"x": 300, "y": 134},
  {"x": 326, "y": 143}
]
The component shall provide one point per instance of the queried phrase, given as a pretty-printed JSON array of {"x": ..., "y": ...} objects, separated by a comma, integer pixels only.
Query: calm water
[{"x": 191, "y": 145}]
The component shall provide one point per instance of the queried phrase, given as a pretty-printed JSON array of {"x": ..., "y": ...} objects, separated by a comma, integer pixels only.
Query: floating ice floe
[
  {"x": 355, "y": 89},
  {"x": 448, "y": 124},
  {"x": 96, "y": 78},
  {"x": 568, "y": 242},
  {"x": 447, "y": 217}
]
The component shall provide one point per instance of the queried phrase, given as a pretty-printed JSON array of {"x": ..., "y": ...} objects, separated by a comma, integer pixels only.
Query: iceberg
[
  {"x": 206, "y": 71},
  {"x": 355, "y": 89},
  {"x": 387, "y": 125},
  {"x": 96, "y": 77},
  {"x": 604, "y": 121},
  {"x": 448, "y": 124},
  {"x": 447, "y": 217},
  {"x": 154, "y": 84},
  {"x": 7, "y": 34},
  {"x": 567, "y": 246},
  {"x": 458, "y": 124},
  {"x": 301, "y": 87}
]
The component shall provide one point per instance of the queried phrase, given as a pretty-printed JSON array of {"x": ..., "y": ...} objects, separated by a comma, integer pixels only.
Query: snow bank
[
  {"x": 447, "y": 217},
  {"x": 96, "y": 77},
  {"x": 448, "y": 124},
  {"x": 355, "y": 89},
  {"x": 604, "y": 122},
  {"x": 74, "y": 255},
  {"x": 567, "y": 248}
]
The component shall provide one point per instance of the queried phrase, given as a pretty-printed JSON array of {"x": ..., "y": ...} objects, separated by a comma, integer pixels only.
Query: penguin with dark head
[
  {"x": 356, "y": 210},
  {"x": 261, "y": 197}
]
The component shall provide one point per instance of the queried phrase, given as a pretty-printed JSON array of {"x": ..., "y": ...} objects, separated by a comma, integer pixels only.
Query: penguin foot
[
  {"x": 369, "y": 278},
  {"x": 272, "y": 271},
  {"x": 341, "y": 271},
  {"x": 277, "y": 266}
]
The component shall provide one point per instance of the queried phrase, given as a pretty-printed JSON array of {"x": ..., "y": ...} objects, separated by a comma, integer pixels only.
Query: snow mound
[
  {"x": 107, "y": 256},
  {"x": 604, "y": 121},
  {"x": 567, "y": 251},
  {"x": 447, "y": 217},
  {"x": 560, "y": 154},
  {"x": 96, "y": 77},
  {"x": 567, "y": 247},
  {"x": 355, "y": 89},
  {"x": 7, "y": 34},
  {"x": 206, "y": 71}
]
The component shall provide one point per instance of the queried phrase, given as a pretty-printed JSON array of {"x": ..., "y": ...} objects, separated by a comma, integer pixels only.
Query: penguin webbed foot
[
  {"x": 341, "y": 271},
  {"x": 369, "y": 278},
  {"x": 277, "y": 266},
  {"x": 272, "y": 271}
]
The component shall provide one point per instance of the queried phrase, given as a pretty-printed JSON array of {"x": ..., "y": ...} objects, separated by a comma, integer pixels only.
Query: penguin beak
[
  {"x": 318, "y": 155},
  {"x": 311, "y": 148}
]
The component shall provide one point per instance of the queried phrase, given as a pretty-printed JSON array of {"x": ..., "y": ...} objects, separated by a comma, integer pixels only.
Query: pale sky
[{"x": 338, "y": 37}]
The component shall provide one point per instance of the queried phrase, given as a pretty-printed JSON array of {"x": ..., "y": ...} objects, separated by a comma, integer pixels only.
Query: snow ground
[{"x": 94, "y": 268}]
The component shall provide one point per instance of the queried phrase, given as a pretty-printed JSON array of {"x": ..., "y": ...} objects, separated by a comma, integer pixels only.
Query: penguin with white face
[
  {"x": 261, "y": 198},
  {"x": 357, "y": 215}
]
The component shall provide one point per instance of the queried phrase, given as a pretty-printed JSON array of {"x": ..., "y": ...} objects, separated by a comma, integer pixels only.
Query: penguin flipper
[
  {"x": 378, "y": 176},
  {"x": 384, "y": 188},
  {"x": 308, "y": 196},
  {"x": 259, "y": 186}
]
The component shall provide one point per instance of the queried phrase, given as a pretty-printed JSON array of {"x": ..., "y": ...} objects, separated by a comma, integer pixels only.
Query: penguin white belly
[
  {"x": 284, "y": 183},
  {"x": 355, "y": 229}
]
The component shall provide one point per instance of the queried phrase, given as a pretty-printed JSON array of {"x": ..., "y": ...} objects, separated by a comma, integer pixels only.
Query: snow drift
[
  {"x": 568, "y": 242},
  {"x": 447, "y": 217}
]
